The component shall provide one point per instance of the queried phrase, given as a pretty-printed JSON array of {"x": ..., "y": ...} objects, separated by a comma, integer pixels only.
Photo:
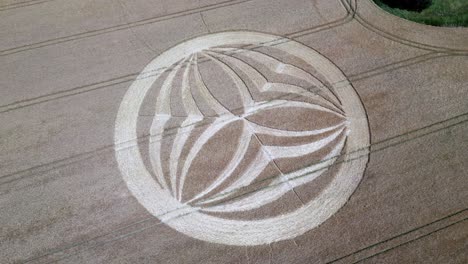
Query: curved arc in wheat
[
  {"x": 213, "y": 128},
  {"x": 244, "y": 92},
  {"x": 241, "y": 150},
  {"x": 259, "y": 129},
  {"x": 258, "y": 164},
  {"x": 193, "y": 115},
  {"x": 208, "y": 97},
  {"x": 294, "y": 151},
  {"x": 162, "y": 116}
]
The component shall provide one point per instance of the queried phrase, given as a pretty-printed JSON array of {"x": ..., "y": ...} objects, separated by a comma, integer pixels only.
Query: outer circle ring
[{"x": 226, "y": 231}]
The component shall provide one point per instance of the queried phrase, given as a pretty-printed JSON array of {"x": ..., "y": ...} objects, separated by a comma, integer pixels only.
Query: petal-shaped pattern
[
  {"x": 277, "y": 152},
  {"x": 208, "y": 97},
  {"x": 257, "y": 165},
  {"x": 282, "y": 68},
  {"x": 242, "y": 147},
  {"x": 244, "y": 92},
  {"x": 179, "y": 168},
  {"x": 237, "y": 148},
  {"x": 270, "y": 153},
  {"x": 263, "y": 85},
  {"x": 276, "y": 189},
  {"x": 209, "y": 132}
]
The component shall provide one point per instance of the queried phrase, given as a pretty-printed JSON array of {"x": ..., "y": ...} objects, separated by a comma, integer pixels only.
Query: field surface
[{"x": 230, "y": 131}]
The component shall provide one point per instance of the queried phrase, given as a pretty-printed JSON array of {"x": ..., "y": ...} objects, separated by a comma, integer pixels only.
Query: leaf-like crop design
[
  {"x": 320, "y": 103},
  {"x": 242, "y": 124}
]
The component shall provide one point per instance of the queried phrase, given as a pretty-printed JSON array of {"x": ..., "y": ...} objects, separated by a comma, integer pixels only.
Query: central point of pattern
[{"x": 248, "y": 138}]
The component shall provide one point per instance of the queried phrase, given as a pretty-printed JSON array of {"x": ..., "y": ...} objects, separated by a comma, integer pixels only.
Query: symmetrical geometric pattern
[{"x": 240, "y": 120}]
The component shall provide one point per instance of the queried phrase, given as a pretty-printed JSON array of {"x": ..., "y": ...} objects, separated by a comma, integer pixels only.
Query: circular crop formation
[{"x": 252, "y": 138}]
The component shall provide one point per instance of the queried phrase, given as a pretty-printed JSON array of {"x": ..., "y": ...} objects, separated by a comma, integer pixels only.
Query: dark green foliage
[
  {"x": 449, "y": 13},
  {"x": 410, "y": 5}
]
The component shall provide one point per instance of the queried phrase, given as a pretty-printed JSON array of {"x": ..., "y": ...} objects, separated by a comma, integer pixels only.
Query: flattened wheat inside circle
[{"x": 291, "y": 114}]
